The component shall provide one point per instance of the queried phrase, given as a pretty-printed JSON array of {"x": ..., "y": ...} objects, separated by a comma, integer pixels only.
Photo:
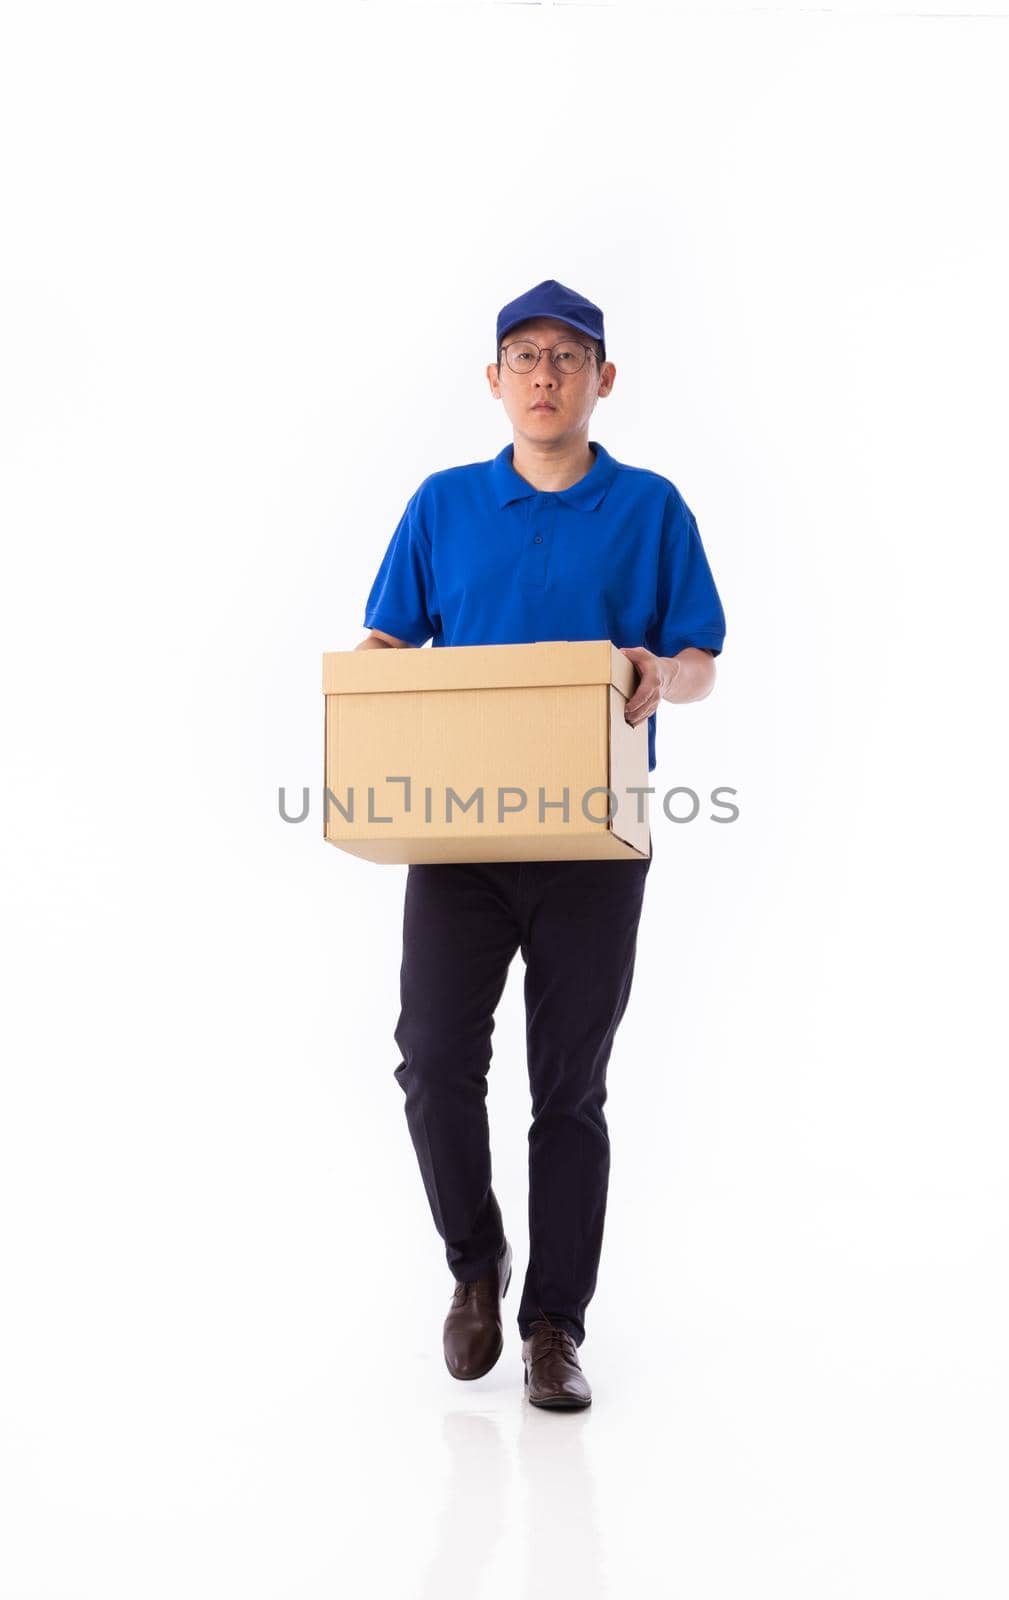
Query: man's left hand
[{"x": 656, "y": 674}]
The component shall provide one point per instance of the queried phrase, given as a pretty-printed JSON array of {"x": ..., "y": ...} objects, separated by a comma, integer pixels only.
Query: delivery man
[{"x": 552, "y": 539}]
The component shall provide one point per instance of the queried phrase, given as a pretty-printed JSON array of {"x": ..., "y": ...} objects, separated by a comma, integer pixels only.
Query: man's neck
[{"x": 551, "y": 468}]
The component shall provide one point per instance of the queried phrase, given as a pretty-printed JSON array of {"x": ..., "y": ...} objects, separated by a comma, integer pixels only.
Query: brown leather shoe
[
  {"x": 473, "y": 1337},
  {"x": 553, "y": 1375}
]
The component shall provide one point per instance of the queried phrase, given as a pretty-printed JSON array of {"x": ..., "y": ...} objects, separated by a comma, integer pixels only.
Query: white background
[{"x": 250, "y": 266}]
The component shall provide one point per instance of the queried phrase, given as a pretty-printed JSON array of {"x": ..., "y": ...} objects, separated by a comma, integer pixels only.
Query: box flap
[{"x": 556, "y": 662}]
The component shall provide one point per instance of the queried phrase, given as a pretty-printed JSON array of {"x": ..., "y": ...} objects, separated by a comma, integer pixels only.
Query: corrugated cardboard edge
[
  {"x": 557, "y": 663},
  {"x": 615, "y": 703},
  {"x": 601, "y": 846},
  {"x": 325, "y": 767}
]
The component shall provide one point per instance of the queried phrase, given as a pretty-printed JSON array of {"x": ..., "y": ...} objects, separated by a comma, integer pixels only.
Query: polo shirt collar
[{"x": 585, "y": 495}]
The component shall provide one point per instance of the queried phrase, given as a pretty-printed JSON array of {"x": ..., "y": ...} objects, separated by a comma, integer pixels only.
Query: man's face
[{"x": 544, "y": 405}]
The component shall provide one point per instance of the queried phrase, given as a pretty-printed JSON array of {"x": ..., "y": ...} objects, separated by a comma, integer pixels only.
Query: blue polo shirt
[{"x": 482, "y": 557}]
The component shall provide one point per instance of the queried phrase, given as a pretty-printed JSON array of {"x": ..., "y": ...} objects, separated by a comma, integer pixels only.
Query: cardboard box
[{"x": 429, "y": 753}]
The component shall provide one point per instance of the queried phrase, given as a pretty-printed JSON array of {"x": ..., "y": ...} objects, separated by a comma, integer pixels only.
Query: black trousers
[{"x": 576, "y": 924}]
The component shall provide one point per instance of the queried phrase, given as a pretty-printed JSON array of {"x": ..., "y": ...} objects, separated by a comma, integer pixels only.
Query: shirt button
[{"x": 538, "y": 539}]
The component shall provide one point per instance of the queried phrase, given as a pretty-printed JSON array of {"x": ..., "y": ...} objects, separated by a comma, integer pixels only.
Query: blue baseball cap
[{"x": 553, "y": 299}]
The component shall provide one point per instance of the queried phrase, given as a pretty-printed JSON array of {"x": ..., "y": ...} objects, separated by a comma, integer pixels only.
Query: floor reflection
[
  {"x": 474, "y": 1506},
  {"x": 559, "y": 1515},
  {"x": 519, "y": 1479}
]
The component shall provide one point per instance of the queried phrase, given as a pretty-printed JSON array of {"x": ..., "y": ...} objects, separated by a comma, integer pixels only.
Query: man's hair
[{"x": 594, "y": 345}]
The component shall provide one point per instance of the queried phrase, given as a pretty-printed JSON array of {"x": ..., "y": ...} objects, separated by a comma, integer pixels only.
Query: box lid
[{"x": 551, "y": 662}]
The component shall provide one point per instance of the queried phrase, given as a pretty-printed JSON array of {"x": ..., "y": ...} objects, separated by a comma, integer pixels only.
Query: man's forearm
[
  {"x": 377, "y": 640},
  {"x": 689, "y": 675}
]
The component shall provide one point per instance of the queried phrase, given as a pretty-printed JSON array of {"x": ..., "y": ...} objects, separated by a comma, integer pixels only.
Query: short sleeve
[
  {"x": 688, "y": 609},
  {"x": 402, "y": 600}
]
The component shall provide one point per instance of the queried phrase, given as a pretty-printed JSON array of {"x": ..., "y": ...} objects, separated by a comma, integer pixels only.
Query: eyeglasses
[{"x": 568, "y": 356}]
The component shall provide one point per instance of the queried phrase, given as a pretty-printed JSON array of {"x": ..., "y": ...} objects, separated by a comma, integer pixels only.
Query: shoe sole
[
  {"x": 468, "y": 1377},
  {"x": 559, "y": 1403}
]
